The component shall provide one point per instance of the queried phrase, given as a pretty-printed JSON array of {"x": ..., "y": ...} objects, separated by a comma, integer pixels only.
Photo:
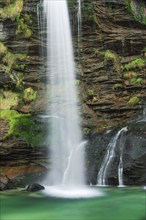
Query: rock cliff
[{"x": 111, "y": 77}]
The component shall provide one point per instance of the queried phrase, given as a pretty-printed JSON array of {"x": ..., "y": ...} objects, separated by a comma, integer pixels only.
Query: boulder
[{"x": 34, "y": 187}]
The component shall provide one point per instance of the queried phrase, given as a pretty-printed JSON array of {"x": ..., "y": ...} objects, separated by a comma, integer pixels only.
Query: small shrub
[{"x": 138, "y": 63}]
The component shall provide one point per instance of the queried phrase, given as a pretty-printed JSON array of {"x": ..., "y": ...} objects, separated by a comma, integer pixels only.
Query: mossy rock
[
  {"x": 3, "y": 49},
  {"x": 25, "y": 126},
  {"x": 10, "y": 11},
  {"x": 29, "y": 95},
  {"x": 134, "y": 101},
  {"x": 137, "y": 10},
  {"x": 111, "y": 58},
  {"x": 8, "y": 99}
]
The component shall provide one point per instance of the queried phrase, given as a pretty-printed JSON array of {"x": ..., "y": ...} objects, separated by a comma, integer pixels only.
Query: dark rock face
[
  {"x": 113, "y": 29},
  {"x": 133, "y": 145},
  {"x": 134, "y": 154}
]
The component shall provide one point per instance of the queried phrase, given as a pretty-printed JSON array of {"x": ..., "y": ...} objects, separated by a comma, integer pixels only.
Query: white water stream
[
  {"x": 108, "y": 159},
  {"x": 67, "y": 174}
]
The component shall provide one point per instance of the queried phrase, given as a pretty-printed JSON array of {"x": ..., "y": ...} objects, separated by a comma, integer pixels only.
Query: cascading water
[
  {"x": 79, "y": 16},
  {"x": 108, "y": 159},
  {"x": 67, "y": 173}
]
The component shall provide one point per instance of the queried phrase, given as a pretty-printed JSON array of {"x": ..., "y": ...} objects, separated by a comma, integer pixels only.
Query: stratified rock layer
[{"x": 104, "y": 92}]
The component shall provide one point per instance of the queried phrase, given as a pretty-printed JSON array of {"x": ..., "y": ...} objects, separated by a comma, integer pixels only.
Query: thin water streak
[{"x": 108, "y": 159}]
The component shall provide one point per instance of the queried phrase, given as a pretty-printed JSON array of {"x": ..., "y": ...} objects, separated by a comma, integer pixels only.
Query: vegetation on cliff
[
  {"x": 24, "y": 126},
  {"x": 11, "y": 10},
  {"x": 137, "y": 10}
]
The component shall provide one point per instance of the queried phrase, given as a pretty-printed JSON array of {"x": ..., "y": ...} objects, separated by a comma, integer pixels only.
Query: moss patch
[
  {"x": 110, "y": 57},
  {"x": 134, "y": 100},
  {"x": 24, "y": 26},
  {"x": 8, "y": 99},
  {"x": 29, "y": 95},
  {"x": 13, "y": 64},
  {"x": 12, "y": 10},
  {"x": 3, "y": 49},
  {"x": 24, "y": 126}
]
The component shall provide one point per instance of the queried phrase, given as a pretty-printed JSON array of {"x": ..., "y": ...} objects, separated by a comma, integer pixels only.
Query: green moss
[
  {"x": 3, "y": 49},
  {"x": 29, "y": 95},
  {"x": 138, "y": 63},
  {"x": 117, "y": 86},
  {"x": 22, "y": 125},
  {"x": 12, "y": 10},
  {"x": 9, "y": 59},
  {"x": 134, "y": 100},
  {"x": 8, "y": 99},
  {"x": 96, "y": 52},
  {"x": 23, "y": 26},
  {"x": 28, "y": 33},
  {"x": 90, "y": 93},
  {"x": 136, "y": 81},
  {"x": 129, "y": 75},
  {"x": 12, "y": 62},
  {"x": 112, "y": 57}
]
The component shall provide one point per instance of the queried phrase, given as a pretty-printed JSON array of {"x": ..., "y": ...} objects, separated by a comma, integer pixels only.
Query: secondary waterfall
[{"x": 109, "y": 157}]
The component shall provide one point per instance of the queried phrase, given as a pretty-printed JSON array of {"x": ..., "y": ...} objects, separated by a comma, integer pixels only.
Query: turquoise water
[{"x": 115, "y": 204}]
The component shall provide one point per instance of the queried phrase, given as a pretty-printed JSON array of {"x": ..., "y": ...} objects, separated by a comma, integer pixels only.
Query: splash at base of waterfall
[{"x": 62, "y": 191}]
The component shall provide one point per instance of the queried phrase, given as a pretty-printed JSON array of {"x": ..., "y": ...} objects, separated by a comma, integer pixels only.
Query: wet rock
[
  {"x": 133, "y": 145},
  {"x": 34, "y": 187},
  {"x": 5, "y": 183}
]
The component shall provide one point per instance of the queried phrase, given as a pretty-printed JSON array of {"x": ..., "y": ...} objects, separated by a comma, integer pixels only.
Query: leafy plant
[{"x": 138, "y": 63}]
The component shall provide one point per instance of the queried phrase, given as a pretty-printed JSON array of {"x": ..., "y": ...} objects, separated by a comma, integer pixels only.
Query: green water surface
[{"x": 115, "y": 204}]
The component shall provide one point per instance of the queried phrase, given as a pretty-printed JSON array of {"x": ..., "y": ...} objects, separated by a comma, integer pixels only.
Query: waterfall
[
  {"x": 108, "y": 159},
  {"x": 67, "y": 166},
  {"x": 67, "y": 152},
  {"x": 79, "y": 16}
]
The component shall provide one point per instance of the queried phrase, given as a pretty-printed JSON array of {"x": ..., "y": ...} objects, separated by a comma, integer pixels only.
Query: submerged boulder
[{"x": 34, "y": 187}]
